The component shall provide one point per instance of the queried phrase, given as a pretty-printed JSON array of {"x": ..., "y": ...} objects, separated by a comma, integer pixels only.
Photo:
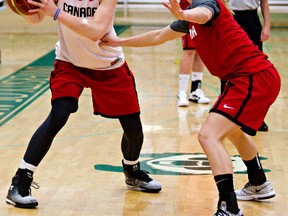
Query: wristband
[{"x": 56, "y": 14}]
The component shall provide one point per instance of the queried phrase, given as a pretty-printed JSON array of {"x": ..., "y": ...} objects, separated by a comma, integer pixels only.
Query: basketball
[{"x": 20, "y": 7}]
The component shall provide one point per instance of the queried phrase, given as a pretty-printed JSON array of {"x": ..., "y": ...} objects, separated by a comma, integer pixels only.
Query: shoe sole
[
  {"x": 257, "y": 198},
  {"x": 20, "y": 205},
  {"x": 147, "y": 190},
  {"x": 196, "y": 101},
  {"x": 182, "y": 105}
]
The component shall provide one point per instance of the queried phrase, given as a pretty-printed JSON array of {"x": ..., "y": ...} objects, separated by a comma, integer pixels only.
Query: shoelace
[
  {"x": 143, "y": 175},
  {"x": 35, "y": 185},
  {"x": 25, "y": 190},
  {"x": 247, "y": 185}
]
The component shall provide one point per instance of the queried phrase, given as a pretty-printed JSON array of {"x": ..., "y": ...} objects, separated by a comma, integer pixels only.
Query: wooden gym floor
[{"x": 80, "y": 174}]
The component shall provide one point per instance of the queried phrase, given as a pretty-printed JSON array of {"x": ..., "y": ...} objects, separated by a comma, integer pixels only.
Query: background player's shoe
[
  {"x": 260, "y": 192},
  {"x": 198, "y": 96},
  {"x": 222, "y": 211},
  {"x": 137, "y": 179},
  {"x": 182, "y": 99},
  {"x": 19, "y": 193},
  {"x": 264, "y": 127}
]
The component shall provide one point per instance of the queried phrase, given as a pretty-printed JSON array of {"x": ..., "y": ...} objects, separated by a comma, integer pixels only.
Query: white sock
[
  {"x": 128, "y": 162},
  {"x": 197, "y": 76},
  {"x": 25, "y": 165},
  {"x": 183, "y": 82}
]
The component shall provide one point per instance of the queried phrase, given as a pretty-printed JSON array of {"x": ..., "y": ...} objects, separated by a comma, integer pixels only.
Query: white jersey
[
  {"x": 241, "y": 5},
  {"x": 79, "y": 50}
]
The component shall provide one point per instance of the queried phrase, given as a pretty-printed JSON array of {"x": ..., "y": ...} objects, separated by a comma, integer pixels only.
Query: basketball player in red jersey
[
  {"x": 81, "y": 63},
  {"x": 252, "y": 85},
  {"x": 246, "y": 15}
]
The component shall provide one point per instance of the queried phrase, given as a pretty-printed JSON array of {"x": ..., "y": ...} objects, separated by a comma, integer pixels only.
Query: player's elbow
[
  {"x": 205, "y": 16},
  {"x": 95, "y": 33}
]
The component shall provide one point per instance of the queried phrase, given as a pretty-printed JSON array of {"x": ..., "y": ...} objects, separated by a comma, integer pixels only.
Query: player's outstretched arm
[{"x": 151, "y": 38}]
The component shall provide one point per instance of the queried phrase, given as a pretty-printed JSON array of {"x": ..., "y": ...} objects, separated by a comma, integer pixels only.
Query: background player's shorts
[
  {"x": 113, "y": 91},
  {"x": 187, "y": 42},
  {"x": 245, "y": 100}
]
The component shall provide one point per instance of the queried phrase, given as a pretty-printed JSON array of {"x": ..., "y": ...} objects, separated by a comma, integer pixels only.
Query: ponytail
[{"x": 227, "y": 5}]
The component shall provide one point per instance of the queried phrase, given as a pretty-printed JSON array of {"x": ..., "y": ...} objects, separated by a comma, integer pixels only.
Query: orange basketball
[{"x": 20, "y": 7}]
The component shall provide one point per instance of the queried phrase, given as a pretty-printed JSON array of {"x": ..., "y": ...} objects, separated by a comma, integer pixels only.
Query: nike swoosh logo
[
  {"x": 228, "y": 107},
  {"x": 221, "y": 180},
  {"x": 257, "y": 191}
]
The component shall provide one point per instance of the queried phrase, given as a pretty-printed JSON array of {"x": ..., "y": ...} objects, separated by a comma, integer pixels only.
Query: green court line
[{"x": 21, "y": 88}]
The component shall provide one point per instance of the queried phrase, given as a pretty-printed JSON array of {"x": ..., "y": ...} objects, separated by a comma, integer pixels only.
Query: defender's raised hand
[{"x": 174, "y": 8}]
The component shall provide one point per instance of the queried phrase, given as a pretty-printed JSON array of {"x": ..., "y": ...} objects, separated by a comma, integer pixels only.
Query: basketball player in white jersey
[{"x": 80, "y": 63}]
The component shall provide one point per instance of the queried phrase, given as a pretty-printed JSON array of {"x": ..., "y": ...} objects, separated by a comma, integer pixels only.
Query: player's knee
[
  {"x": 61, "y": 110},
  {"x": 135, "y": 135},
  {"x": 203, "y": 138}
]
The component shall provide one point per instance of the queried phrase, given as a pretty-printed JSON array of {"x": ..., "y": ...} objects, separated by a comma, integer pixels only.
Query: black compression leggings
[
  {"x": 132, "y": 138},
  {"x": 44, "y": 135},
  {"x": 61, "y": 109}
]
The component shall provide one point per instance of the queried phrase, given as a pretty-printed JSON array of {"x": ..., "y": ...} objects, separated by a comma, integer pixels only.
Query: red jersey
[{"x": 223, "y": 45}]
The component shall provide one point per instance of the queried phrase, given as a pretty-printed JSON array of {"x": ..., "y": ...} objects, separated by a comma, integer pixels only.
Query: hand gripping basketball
[{"x": 21, "y": 7}]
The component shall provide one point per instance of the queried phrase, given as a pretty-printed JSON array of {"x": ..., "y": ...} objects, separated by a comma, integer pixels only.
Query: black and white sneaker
[
  {"x": 137, "y": 179},
  {"x": 222, "y": 211},
  {"x": 19, "y": 193},
  {"x": 260, "y": 192},
  {"x": 199, "y": 97}
]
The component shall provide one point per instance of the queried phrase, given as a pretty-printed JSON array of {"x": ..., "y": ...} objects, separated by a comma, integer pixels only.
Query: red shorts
[
  {"x": 187, "y": 42},
  {"x": 245, "y": 100},
  {"x": 113, "y": 91}
]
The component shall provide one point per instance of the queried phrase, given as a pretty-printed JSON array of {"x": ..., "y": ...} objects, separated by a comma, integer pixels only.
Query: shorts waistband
[{"x": 238, "y": 12}]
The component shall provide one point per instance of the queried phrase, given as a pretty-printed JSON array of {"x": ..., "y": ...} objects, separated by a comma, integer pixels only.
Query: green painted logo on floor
[{"x": 178, "y": 164}]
